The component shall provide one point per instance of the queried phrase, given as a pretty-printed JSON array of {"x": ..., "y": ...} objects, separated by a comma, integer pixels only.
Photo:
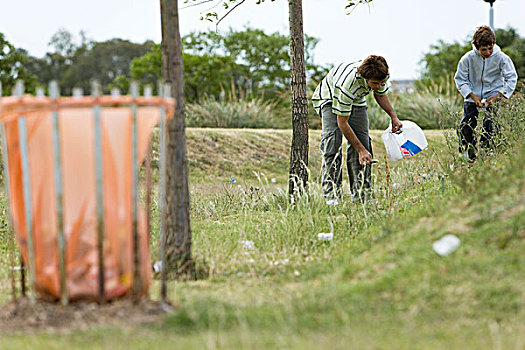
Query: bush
[{"x": 235, "y": 112}]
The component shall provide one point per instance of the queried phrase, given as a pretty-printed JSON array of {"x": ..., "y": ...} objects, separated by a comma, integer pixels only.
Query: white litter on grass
[
  {"x": 248, "y": 244},
  {"x": 323, "y": 236},
  {"x": 446, "y": 245},
  {"x": 157, "y": 266},
  {"x": 281, "y": 262},
  {"x": 273, "y": 180},
  {"x": 332, "y": 202}
]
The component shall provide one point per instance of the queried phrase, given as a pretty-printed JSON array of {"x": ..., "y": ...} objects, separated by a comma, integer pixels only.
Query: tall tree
[
  {"x": 177, "y": 216},
  {"x": 299, "y": 148}
]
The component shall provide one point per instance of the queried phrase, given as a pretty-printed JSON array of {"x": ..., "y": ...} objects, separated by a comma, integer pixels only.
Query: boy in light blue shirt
[{"x": 484, "y": 76}]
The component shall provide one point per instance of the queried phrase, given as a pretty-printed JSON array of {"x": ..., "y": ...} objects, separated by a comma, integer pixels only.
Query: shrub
[{"x": 234, "y": 112}]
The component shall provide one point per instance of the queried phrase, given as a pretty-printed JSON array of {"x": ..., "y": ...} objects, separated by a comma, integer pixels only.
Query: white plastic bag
[
  {"x": 446, "y": 245},
  {"x": 409, "y": 142}
]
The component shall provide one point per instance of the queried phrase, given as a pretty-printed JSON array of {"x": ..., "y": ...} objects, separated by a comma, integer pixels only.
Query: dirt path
[{"x": 23, "y": 317}]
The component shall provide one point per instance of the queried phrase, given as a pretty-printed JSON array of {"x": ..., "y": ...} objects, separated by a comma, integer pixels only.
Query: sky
[{"x": 400, "y": 30}]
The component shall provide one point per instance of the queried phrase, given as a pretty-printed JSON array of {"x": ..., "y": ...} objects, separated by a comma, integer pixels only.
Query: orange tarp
[{"x": 77, "y": 145}]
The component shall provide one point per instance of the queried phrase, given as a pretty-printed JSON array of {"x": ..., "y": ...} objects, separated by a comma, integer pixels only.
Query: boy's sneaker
[{"x": 332, "y": 201}]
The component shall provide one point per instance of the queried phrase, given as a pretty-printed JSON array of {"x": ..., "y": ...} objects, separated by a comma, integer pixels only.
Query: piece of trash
[
  {"x": 273, "y": 180},
  {"x": 446, "y": 245},
  {"x": 166, "y": 307},
  {"x": 482, "y": 105},
  {"x": 233, "y": 180},
  {"x": 157, "y": 266},
  {"x": 248, "y": 244},
  {"x": 332, "y": 201},
  {"x": 15, "y": 268},
  {"x": 325, "y": 236},
  {"x": 296, "y": 273},
  {"x": 281, "y": 262}
]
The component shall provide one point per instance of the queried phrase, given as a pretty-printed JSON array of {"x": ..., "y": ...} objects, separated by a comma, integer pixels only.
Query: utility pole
[{"x": 491, "y": 13}]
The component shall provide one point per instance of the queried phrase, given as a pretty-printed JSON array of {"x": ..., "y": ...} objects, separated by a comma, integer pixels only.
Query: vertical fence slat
[
  {"x": 99, "y": 191},
  {"x": 54, "y": 94},
  {"x": 134, "y": 192},
  {"x": 26, "y": 180}
]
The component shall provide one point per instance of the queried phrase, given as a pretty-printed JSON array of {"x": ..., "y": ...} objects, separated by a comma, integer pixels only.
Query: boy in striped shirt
[{"x": 340, "y": 101}]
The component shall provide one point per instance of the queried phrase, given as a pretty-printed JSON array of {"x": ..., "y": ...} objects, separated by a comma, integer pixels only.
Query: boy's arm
[
  {"x": 461, "y": 78},
  {"x": 365, "y": 158},
  {"x": 510, "y": 77},
  {"x": 384, "y": 103}
]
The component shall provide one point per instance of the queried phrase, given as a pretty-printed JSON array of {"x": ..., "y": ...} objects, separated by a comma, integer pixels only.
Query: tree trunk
[
  {"x": 177, "y": 230},
  {"x": 299, "y": 150}
]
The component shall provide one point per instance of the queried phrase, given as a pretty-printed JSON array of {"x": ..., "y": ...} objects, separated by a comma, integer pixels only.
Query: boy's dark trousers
[
  {"x": 466, "y": 132},
  {"x": 360, "y": 177}
]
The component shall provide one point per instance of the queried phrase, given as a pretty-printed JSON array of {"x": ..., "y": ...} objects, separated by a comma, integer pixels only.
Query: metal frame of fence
[{"x": 54, "y": 94}]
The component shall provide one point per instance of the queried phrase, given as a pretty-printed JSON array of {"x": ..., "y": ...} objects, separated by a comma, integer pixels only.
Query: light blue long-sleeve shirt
[{"x": 485, "y": 77}]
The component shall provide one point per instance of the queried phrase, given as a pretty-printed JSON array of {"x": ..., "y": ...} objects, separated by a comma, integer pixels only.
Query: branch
[
  {"x": 227, "y": 13},
  {"x": 196, "y": 4},
  {"x": 211, "y": 8},
  {"x": 354, "y": 3}
]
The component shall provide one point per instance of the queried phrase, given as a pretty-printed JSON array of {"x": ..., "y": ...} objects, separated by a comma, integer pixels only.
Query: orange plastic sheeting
[{"x": 77, "y": 144}]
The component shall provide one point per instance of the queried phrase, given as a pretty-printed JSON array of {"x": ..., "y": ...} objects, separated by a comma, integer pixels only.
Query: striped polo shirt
[{"x": 344, "y": 88}]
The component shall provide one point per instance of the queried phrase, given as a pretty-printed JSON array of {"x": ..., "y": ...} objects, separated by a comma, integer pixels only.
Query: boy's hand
[
  {"x": 396, "y": 125},
  {"x": 476, "y": 99},
  {"x": 365, "y": 158},
  {"x": 494, "y": 99}
]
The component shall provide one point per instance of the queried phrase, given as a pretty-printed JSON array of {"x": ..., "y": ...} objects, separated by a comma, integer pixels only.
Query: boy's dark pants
[
  {"x": 360, "y": 177},
  {"x": 466, "y": 132}
]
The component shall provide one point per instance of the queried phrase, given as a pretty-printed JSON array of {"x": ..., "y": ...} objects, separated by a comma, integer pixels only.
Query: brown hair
[
  {"x": 484, "y": 36},
  {"x": 373, "y": 67}
]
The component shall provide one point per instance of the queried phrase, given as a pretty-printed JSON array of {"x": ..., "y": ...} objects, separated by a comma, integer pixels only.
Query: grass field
[{"x": 377, "y": 285}]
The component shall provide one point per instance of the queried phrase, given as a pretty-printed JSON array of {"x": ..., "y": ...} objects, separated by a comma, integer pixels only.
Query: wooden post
[{"x": 10, "y": 232}]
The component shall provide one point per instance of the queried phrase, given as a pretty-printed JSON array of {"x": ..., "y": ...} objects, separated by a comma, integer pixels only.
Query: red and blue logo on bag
[{"x": 409, "y": 149}]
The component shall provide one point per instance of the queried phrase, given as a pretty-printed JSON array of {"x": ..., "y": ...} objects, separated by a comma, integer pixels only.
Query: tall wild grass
[
  {"x": 235, "y": 110},
  {"x": 429, "y": 106}
]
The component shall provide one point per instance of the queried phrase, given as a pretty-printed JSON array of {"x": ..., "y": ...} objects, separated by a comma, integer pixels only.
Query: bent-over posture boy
[{"x": 340, "y": 101}]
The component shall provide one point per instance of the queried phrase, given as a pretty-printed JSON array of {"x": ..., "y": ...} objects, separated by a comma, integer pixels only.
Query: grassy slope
[{"x": 377, "y": 285}]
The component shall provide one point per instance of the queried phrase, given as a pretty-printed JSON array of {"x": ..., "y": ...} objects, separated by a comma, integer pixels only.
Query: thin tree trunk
[
  {"x": 299, "y": 150},
  {"x": 177, "y": 230}
]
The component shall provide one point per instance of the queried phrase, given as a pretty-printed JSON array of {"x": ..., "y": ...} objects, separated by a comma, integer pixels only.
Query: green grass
[{"x": 377, "y": 285}]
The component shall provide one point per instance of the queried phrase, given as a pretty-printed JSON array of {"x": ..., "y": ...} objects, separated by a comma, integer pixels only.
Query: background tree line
[
  {"x": 443, "y": 58},
  {"x": 242, "y": 76}
]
